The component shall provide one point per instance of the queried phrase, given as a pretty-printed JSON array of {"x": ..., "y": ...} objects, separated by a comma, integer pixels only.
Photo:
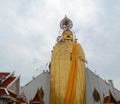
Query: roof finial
[{"x": 66, "y": 23}]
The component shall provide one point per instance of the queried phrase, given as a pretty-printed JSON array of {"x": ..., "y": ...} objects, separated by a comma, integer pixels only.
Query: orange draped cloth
[{"x": 72, "y": 78}]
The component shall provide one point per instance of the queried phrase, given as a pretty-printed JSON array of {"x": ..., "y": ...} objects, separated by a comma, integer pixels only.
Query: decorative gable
[{"x": 39, "y": 97}]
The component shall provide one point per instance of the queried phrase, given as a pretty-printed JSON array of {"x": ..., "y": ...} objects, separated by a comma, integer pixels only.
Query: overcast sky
[{"x": 29, "y": 28}]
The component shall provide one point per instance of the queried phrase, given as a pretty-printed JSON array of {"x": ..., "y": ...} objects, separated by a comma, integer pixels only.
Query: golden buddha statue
[{"x": 67, "y": 73}]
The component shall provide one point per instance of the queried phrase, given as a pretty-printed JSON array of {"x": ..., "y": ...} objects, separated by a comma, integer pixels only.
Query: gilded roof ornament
[{"x": 66, "y": 24}]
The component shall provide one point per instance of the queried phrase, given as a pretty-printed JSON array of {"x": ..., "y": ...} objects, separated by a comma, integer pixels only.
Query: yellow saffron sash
[{"x": 72, "y": 77}]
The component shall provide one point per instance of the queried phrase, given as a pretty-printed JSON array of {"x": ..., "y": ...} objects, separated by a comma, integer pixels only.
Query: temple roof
[
  {"x": 3, "y": 91},
  {"x": 9, "y": 89},
  {"x": 7, "y": 82},
  {"x": 3, "y": 74}
]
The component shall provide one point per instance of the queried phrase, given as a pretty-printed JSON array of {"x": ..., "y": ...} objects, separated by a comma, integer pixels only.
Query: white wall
[
  {"x": 31, "y": 87},
  {"x": 103, "y": 87}
]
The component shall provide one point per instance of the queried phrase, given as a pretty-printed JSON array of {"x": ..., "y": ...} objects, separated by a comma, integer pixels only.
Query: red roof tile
[
  {"x": 3, "y": 92},
  {"x": 3, "y": 74},
  {"x": 118, "y": 102},
  {"x": 21, "y": 100},
  {"x": 7, "y": 82},
  {"x": 12, "y": 94}
]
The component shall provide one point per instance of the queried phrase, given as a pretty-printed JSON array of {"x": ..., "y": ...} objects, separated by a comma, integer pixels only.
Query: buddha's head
[{"x": 67, "y": 35}]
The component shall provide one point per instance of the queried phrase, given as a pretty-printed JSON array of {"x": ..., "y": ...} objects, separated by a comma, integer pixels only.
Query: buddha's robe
[{"x": 67, "y": 74}]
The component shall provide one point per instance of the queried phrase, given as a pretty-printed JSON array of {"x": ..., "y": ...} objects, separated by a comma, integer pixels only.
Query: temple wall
[
  {"x": 30, "y": 88},
  {"x": 94, "y": 81},
  {"x": 103, "y": 87},
  {"x": 117, "y": 94}
]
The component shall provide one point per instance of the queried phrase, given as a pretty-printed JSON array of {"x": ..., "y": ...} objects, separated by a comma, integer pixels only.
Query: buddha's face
[{"x": 67, "y": 35}]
